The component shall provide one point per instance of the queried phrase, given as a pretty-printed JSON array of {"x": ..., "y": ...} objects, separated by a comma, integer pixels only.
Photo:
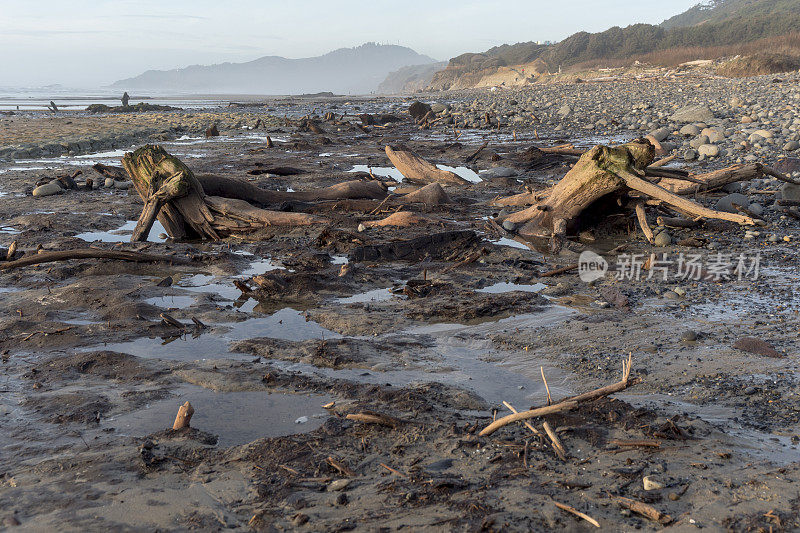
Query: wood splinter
[{"x": 185, "y": 413}]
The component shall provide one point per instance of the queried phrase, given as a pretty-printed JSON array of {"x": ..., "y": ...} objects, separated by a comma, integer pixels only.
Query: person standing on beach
[{"x": 125, "y": 99}]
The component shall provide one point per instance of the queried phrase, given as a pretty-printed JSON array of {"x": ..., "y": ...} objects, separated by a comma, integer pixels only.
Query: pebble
[
  {"x": 791, "y": 146},
  {"x": 338, "y": 484},
  {"x": 509, "y": 226},
  {"x": 109, "y": 182},
  {"x": 689, "y": 336},
  {"x": 690, "y": 130},
  {"x": 756, "y": 209},
  {"x": 650, "y": 483}
]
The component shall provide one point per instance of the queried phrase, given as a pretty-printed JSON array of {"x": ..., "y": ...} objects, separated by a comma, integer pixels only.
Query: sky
[{"x": 88, "y": 44}]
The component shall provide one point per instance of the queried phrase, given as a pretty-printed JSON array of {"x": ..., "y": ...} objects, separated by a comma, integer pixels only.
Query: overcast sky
[{"x": 90, "y": 43}]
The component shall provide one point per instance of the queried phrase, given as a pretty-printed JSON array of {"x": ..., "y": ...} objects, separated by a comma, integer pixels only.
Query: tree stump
[
  {"x": 173, "y": 195},
  {"x": 600, "y": 172}
]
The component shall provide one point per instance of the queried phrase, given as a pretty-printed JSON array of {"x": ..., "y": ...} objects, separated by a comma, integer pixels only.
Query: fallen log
[
  {"x": 89, "y": 253},
  {"x": 243, "y": 190},
  {"x": 417, "y": 170}
]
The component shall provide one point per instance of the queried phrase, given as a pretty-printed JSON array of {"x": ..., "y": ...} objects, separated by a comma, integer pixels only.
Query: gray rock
[
  {"x": 109, "y": 182},
  {"x": 726, "y": 202},
  {"x": 439, "y": 108},
  {"x": 756, "y": 209},
  {"x": 661, "y": 134},
  {"x": 708, "y": 150},
  {"x": 699, "y": 141},
  {"x": 338, "y": 484},
  {"x": 48, "y": 189},
  {"x": 791, "y": 146},
  {"x": 689, "y": 336},
  {"x": 663, "y": 239},
  {"x": 693, "y": 113},
  {"x": 736, "y": 186},
  {"x": 690, "y": 130},
  {"x": 714, "y": 135},
  {"x": 509, "y": 226},
  {"x": 564, "y": 111},
  {"x": 498, "y": 172},
  {"x": 790, "y": 191},
  {"x": 690, "y": 155}
]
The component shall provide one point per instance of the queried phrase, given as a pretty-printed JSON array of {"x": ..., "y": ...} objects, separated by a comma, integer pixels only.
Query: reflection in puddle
[
  {"x": 235, "y": 417},
  {"x": 462, "y": 172},
  {"x": 122, "y": 234},
  {"x": 8, "y": 230},
  {"x": 171, "y": 301},
  {"x": 204, "y": 283},
  {"x": 391, "y": 172},
  {"x": 383, "y": 172},
  {"x": 375, "y": 295},
  {"x": 502, "y": 287},
  {"x": 505, "y": 241},
  {"x": 286, "y": 324}
]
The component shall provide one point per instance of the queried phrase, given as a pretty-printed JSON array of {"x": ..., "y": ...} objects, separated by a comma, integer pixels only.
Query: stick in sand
[{"x": 184, "y": 416}]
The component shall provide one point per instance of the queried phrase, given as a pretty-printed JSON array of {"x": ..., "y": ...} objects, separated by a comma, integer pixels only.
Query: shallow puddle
[
  {"x": 375, "y": 295},
  {"x": 384, "y": 172},
  {"x": 171, "y": 301},
  {"x": 286, "y": 324},
  {"x": 235, "y": 417},
  {"x": 122, "y": 234},
  {"x": 505, "y": 241},
  {"x": 502, "y": 287},
  {"x": 462, "y": 172}
]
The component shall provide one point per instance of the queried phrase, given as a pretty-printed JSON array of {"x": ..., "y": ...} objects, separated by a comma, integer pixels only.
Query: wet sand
[{"x": 92, "y": 378}]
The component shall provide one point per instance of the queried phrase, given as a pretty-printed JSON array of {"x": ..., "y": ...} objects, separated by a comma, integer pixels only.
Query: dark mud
[{"x": 385, "y": 321}]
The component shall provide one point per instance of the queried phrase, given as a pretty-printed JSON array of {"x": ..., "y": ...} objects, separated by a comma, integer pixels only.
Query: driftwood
[
  {"x": 243, "y": 190},
  {"x": 115, "y": 173},
  {"x": 88, "y": 253},
  {"x": 566, "y": 404},
  {"x": 645, "y": 510},
  {"x": 404, "y": 219},
  {"x": 600, "y": 172},
  {"x": 184, "y": 416},
  {"x": 417, "y": 170},
  {"x": 713, "y": 180},
  {"x": 173, "y": 195}
]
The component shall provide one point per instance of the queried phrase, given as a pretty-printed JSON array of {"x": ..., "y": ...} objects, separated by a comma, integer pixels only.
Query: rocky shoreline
[{"x": 342, "y": 373}]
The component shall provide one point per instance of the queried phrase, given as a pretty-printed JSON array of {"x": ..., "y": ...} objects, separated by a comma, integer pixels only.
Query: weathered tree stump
[
  {"x": 173, "y": 195},
  {"x": 600, "y": 172}
]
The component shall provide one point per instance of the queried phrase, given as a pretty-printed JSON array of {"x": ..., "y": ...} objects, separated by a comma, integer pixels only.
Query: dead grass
[{"x": 783, "y": 46}]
